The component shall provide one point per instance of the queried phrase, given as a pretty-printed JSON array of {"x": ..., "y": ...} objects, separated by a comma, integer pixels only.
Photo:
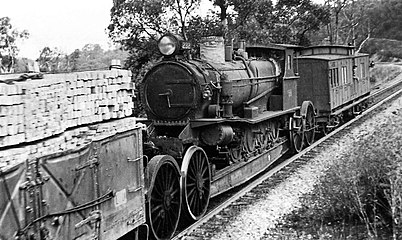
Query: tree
[
  {"x": 73, "y": 60},
  {"x": 8, "y": 45},
  {"x": 52, "y": 60},
  {"x": 201, "y": 27},
  {"x": 223, "y": 5},
  {"x": 23, "y": 65},
  {"x": 335, "y": 7},
  {"x": 386, "y": 18},
  {"x": 253, "y": 20},
  {"x": 355, "y": 21},
  {"x": 137, "y": 25},
  {"x": 91, "y": 58},
  {"x": 302, "y": 18},
  {"x": 288, "y": 21}
]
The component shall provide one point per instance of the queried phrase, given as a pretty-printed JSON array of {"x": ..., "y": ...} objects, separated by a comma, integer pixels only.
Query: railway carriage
[{"x": 336, "y": 80}]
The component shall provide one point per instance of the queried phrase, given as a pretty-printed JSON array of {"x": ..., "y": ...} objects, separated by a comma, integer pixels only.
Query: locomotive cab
[{"x": 286, "y": 96}]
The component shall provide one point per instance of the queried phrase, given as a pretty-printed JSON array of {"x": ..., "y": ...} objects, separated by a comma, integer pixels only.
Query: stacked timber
[
  {"x": 71, "y": 139},
  {"x": 61, "y": 111}
]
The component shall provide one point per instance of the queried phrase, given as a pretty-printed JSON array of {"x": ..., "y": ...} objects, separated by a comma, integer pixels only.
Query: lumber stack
[
  {"x": 35, "y": 109},
  {"x": 71, "y": 139}
]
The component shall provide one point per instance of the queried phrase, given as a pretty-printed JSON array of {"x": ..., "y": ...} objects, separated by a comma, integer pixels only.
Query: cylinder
[{"x": 217, "y": 135}]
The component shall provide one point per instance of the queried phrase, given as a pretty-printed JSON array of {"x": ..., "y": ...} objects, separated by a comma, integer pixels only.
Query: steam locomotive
[{"x": 215, "y": 122}]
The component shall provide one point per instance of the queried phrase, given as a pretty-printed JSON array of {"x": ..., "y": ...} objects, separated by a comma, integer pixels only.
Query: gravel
[{"x": 256, "y": 221}]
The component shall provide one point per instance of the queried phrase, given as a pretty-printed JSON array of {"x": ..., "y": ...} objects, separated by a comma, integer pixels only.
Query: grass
[
  {"x": 360, "y": 197},
  {"x": 383, "y": 50},
  {"x": 383, "y": 73}
]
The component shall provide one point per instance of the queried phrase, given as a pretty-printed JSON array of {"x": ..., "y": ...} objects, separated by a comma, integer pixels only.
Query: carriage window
[
  {"x": 344, "y": 75},
  {"x": 337, "y": 76},
  {"x": 333, "y": 76},
  {"x": 289, "y": 62}
]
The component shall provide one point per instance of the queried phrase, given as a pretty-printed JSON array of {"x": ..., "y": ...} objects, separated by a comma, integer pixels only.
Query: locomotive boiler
[
  {"x": 177, "y": 91},
  {"x": 215, "y": 122}
]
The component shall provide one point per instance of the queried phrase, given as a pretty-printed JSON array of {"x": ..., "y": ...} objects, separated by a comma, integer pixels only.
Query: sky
[{"x": 63, "y": 24}]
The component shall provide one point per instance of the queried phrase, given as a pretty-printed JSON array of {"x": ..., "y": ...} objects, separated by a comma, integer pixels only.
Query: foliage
[
  {"x": 383, "y": 73},
  {"x": 90, "y": 57},
  {"x": 356, "y": 21},
  {"x": 8, "y": 45},
  {"x": 384, "y": 50},
  {"x": 22, "y": 65},
  {"x": 252, "y": 21},
  {"x": 300, "y": 18},
  {"x": 262, "y": 21},
  {"x": 363, "y": 188},
  {"x": 202, "y": 27},
  {"x": 137, "y": 25},
  {"x": 51, "y": 60},
  {"x": 387, "y": 17}
]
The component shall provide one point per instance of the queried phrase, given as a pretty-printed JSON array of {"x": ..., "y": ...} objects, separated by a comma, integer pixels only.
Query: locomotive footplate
[
  {"x": 235, "y": 175},
  {"x": 262, "y": 117}
]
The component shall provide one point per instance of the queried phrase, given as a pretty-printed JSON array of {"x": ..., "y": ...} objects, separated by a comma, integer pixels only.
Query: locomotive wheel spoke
[
  {"x": 190, "y": 184},
  {"x": 195, "y": 182},
  {"x": 298, "y": 141},
  {"x": 325, "y": 130},
  {"x": 157, "y": 199},
  {"x": 259, "y": 138},
  {"x": 164, "y": 201},
  {"x": 249, "y": 140},
  {"x": 156, "y": 208},
  {"x": 296, "y": 134},
  {"x": 235, "y": 153},
  {"x": 310, "y": 126},
  {"x": 203, "y": 171},
  {"x": 273, "y": 131},
  {"x": 191, "y": 192}
]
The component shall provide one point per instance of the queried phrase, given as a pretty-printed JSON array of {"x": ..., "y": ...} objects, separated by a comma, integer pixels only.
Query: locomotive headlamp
[
  {"x": 167, "y": 45},
  {"x": 171, "y": 44}
]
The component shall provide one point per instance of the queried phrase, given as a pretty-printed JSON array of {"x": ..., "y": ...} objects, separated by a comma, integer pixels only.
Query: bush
[
  {"x": 367, "y": 184},
  {"x": 384, "y": 72},
  {"x": 386, "y": 50}
]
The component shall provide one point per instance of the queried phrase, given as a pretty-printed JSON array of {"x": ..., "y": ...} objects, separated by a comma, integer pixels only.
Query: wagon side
[{"x": 96, "y": 191}]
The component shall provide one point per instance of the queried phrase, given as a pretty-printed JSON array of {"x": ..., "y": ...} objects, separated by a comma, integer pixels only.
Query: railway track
[{"x": 246, "y": 194}]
